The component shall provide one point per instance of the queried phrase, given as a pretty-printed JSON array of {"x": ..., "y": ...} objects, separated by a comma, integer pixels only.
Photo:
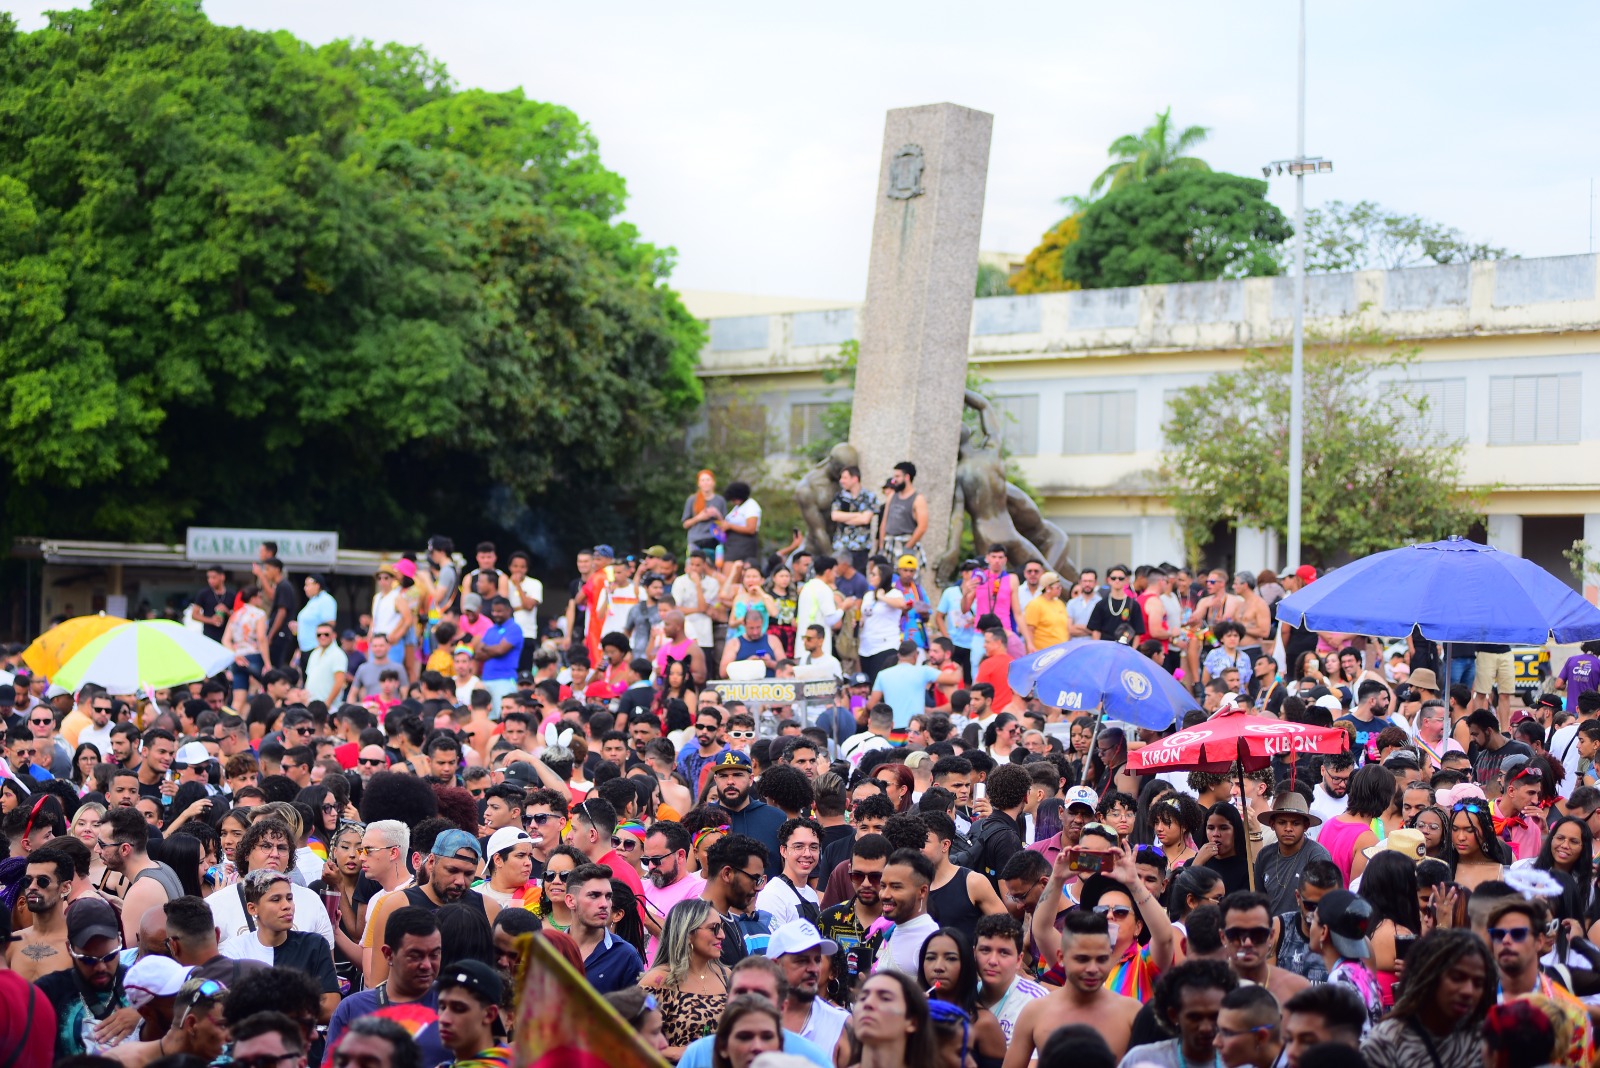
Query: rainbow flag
[{"x": 563, "y": 1023}]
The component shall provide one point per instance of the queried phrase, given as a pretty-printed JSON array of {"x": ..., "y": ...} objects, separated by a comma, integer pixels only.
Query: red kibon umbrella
[{"x": 1233, "y": 738}]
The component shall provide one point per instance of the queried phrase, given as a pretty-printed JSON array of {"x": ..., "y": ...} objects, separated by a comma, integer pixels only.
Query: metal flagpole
[{"x": 1297, "y": 387}]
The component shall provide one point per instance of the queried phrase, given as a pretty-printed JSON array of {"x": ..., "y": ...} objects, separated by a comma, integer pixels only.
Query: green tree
[
  {"x": 992, "y": 281},
  {"x": 1364, "y": 236},
  {"x": 1157, "y": 149},
  {"x": 1374, "y": 478},
  {"x": 248, "y": 281},
  {"x": 1181, "y": 226}
]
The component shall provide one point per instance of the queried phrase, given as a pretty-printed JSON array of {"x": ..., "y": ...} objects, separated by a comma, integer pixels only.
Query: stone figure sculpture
[
  {"x": 815, "y": 492},
  {"x": 1001, "y": 513}
]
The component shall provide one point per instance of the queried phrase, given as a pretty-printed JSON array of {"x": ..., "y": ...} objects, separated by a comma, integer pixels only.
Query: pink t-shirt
[
  {"x": 478, "y": 629},
  {"x": 661, "y": 899}
]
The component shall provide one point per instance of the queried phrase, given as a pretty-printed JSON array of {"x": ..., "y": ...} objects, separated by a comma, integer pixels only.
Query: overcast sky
[{"x": 749, "y": 134}]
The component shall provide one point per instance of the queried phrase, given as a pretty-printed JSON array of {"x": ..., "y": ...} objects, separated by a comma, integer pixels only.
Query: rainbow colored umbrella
[
  {"x": 52, "y": 649},
  {"x": 149, "y": 653}
]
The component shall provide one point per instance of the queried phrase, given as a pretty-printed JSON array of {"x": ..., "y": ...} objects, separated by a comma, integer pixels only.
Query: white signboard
[{"x": 241, "y": 545}]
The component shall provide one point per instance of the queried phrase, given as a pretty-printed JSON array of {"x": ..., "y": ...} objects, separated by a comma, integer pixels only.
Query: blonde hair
[
  {"x": 675, "y": 952},
  {"x": 285, "y": 812}
]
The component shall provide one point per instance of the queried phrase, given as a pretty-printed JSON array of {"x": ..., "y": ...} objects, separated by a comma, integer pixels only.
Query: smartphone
[
  {"x": 1402, "y": 945},
  {"x": 1089, "y": 860},
  {"x": 979, "y": 791}
]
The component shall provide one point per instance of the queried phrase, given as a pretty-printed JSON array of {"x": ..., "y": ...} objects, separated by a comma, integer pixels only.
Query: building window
[
  {"x": 1445, "y": 417},
  {"x": 1097, "y": 552},
  {"x": 1168, "y": 396},
  {"x": 1534, "y": 409},
  {"x": 805, "y": 425},
  {"x": 1019, "y": 423},
  {"x": 1098, "y": 422}
]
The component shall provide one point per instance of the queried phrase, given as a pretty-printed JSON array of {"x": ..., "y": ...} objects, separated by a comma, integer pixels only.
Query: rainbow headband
[
  {"x": 700, "y": 835},
  {"x": 633, "y": 827}
]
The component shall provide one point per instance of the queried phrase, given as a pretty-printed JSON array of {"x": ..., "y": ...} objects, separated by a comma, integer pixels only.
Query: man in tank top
[{"x": 905, "y": 515}]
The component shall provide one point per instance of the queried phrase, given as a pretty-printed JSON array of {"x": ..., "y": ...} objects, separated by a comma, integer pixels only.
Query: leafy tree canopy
[
  {"x": 245, "y": 280},
  {"x": 1364, "y": 236},
  {"x": 1181, "y": 226},
  {"x": 1041, "y": 271},
  {"x": 1374, "y": 476}
]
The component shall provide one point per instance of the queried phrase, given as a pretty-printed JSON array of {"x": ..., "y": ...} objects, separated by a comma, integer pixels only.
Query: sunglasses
[
  {"x": 1116, "y": 578},
  {"x": 43, "y": 722},
  {"x": 42, "y": 880},
  {"x": 1117, "y": 913},
  {"x": 84, "y": 958},
  {"x": 1469, "y": 806},
  {"x": 1256, "y": 936},
  {"x": 1517, "y": 935},
  {"x": 870, "y": 878},
  {"x": 650, "y": 862},
  {"x": 542, "y": 818},
  {"x": 741, "y": 734},
  {"x": 371, "y": 763},
  {"x": 1152, "y": 848},
  {"x": 556, "y": 876},
  {"x": 303, "y": 731}
]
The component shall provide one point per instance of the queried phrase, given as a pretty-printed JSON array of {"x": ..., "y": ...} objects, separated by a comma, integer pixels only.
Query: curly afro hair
[
  {"x": 788, "y": 788},
  {"x": 393, "y": 795},
  {"x": 458, "y": 806}
]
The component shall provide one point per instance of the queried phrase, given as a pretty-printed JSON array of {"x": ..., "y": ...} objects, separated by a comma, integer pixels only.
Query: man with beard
[
  {"x": 847, "y": 923},
  {"x": 735, "y": 871},
  {"x": 669, "y": 880},
  {"x": 446, "y": 877},
  {"x": 906, "y": 880},
  {"x": 120, "y": 842},
  {"x": 42, "y": 948},
  {"x": 594, "y": 824},
  {"x": 1247, "y": 932},
  {"x": 90, "y": 994},
  {"x": 746, "y": 815},
  {"x": 1515, "y": 929},
  {"x": 800, "y": 949},
  {"x": 412, "y": 948},
  {"x": 1083, "y": 999},
  {"x": 125, "y": 746},
  {"x": 609, "y": 963},
  {"x": 1329, "y": 798}
]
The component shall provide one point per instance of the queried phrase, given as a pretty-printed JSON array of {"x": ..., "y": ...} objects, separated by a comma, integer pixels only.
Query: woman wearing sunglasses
[
  {"x": 1480, "y": 855},
  {"x": 552, "y": 902},
  {"x": 688, "y": 977}
]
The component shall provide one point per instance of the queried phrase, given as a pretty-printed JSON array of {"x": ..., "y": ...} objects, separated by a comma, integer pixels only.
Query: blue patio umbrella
[
  {"x": 1084, "y": 674},
  {"x": 1454, "y": 590}
]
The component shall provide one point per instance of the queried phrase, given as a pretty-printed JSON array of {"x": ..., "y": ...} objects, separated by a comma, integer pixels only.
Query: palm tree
[{"x": 1155, "y": 150}]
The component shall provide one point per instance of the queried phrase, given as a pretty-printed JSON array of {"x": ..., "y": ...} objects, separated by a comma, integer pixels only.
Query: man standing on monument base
[{"x": 905, "y": 516}]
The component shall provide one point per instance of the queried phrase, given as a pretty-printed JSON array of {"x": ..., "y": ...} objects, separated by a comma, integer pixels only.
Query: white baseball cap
[
  {"x": 191, "y": 753},
  {"x": 1082, "y": 795},
  {"x": 797, "y": 936},
  {"x": 153, "y": 977},
  {"x": 1330, "y": 702},
  {"x": 506, "y": 837}
]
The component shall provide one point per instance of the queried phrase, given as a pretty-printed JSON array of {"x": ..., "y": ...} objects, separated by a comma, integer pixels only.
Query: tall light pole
[{"x": 1299, "y": 167}]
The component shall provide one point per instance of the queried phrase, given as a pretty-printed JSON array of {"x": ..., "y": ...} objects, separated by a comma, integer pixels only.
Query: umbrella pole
[
  {"x": 1249, "y": 854},
  {"x": 1099, "y": 717}
]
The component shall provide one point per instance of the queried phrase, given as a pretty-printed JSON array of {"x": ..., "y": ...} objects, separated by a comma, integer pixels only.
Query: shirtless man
[
  {"x": 1254, "y": 614},
  {"x": 1247, "y": 934},
  {"x": 1217, "y": 605},
  {"x": 42, "y": 948},
  {"x": 1086, "y": 960}
]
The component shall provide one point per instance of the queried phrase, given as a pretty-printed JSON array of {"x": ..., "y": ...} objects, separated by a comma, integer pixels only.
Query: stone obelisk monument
[{"x": 912, "y": 370}]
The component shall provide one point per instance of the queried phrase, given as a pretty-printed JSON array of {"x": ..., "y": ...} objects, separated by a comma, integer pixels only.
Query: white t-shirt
[
  {"x": 903, "y": 950},
  {"x": 779, "y": 900},
  {"x": 880, "y": 625},
  {"x": 816, "y": 605},
  {"x": 1024, "y": 595},
  {"x": 618, "y": 603},
  {"x": 1563, "y": 746},
  {"x": 227, "y": 910},
  {"x": 1021, "y": 991},
  {"x": 532, "y": 590},
  {"x": 100, "y": 738},
  {"x": 1326, "y": 807},
  {"x": 696, "y": 625},
  {"x": 246, "y": 947},
  {"x": 741, "y": 513}
]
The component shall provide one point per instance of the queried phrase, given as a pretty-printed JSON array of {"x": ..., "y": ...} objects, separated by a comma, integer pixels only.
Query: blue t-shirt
[
  {"x": 503, "y": 666},
  {"x": 423, "y": 1027},
  {"x": 905, "y": 689},
  {"x": 950, "y": 607},
  {"x": 697, "y": 1054}
]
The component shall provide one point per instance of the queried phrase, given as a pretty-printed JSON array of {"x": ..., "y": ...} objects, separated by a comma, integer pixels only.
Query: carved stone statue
[
  {"x": 1001, "y": 513},
  {"x": 815, "y": 492}
]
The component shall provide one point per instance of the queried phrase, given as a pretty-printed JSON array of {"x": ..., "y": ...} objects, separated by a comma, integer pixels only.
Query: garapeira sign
[{"x": 241, "y": 545}]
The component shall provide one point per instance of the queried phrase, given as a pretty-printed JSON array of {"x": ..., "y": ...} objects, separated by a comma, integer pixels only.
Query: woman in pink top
[{"x": 1360, "y": 824}]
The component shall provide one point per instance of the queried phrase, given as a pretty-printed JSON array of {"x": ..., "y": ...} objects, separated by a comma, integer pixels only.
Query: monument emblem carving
[{"x": 905, "y": 173}]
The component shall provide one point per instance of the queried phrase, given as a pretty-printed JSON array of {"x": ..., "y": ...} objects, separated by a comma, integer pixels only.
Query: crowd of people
[{"x": 328, "y": 856}]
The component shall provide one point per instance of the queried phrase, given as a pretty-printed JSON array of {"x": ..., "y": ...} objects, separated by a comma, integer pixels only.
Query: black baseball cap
[
  {"x": 1348, "y": 919},
  {"x": 475, "y": 977}
]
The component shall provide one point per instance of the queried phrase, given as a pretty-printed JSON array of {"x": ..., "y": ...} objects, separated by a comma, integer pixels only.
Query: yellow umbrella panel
[{"x": 52, "y": 649}]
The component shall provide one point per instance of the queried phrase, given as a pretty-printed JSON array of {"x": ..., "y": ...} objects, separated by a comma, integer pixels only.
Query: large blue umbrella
[
  {"x": 1088, "y": 674},
  {"x": 1455, "y": 590}
]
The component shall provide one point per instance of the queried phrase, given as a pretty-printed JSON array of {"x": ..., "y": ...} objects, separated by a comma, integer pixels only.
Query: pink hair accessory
[{"x": 1460, "y": 792}]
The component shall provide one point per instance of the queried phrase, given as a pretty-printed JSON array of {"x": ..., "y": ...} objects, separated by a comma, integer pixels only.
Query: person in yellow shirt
[{"x": 1045, "y": 619}]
